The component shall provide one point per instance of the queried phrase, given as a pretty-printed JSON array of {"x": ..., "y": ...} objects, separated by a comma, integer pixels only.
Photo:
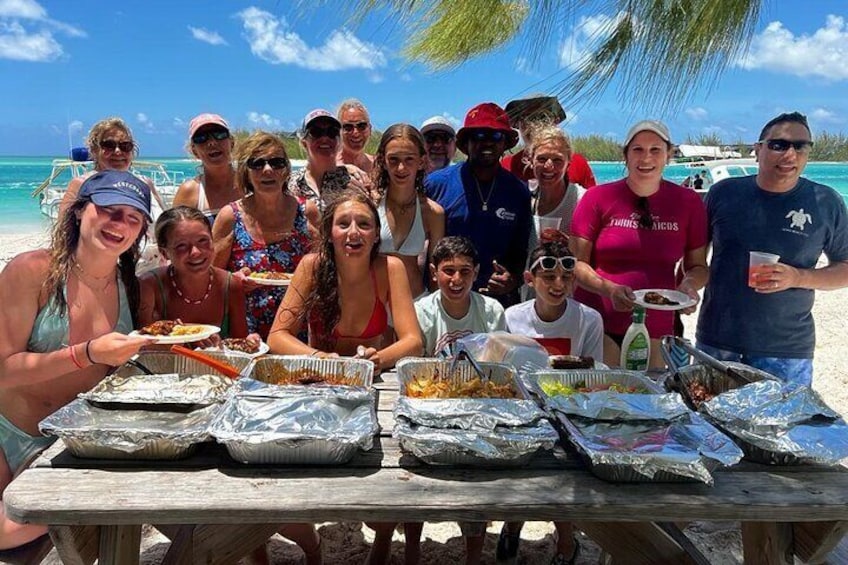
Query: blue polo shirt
[{"x": 499, "y": 232}]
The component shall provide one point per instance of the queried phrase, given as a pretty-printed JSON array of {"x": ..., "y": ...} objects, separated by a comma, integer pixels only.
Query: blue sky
[{"x": 264, "y": 64}]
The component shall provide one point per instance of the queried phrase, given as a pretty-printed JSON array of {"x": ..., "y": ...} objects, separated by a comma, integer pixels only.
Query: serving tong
[
  {"x": 462, "y": 353},
  {"x": 704, "y": 358}
]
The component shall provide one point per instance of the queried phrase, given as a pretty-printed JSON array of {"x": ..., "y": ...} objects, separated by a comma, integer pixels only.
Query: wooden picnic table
[{"x": 216, "y": 510}]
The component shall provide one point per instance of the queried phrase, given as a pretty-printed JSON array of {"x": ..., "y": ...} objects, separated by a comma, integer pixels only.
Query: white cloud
[
  {"x": 75, "y": 126},
  {"x": 26, "y": 33},
  {"x": 206, "y": 36},
  {"x": 374, "y": 77},
  {"x": 178, "y": 122},
  {"x": 263, "y": 120},
  {"x": 272, "y": 40},
  {"x": 589, "y": 31},
  {"x": 696, "y": 113},
  {"x": 825, "y": 116},
  {"x": 823, "y": 54},
  {"x": 142, "y": 118},
  {"x": 406, "y": 77}
]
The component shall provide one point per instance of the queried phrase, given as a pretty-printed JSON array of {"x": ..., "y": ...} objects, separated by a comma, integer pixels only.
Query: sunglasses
[
  {"x": 276, "y": 163},
  {"x": 358, "y": 126},
  {"x": 330, "y": 131},
  {"x": 645, "y": 219},
  {"x": 204, "y": 136},
  {"x": 487, "y": 135},
  {"x": 548, "y": 263},
  {"x": 433, "y": 137},
  {"x": 783, "y": 145},
  {"x": 111, "y": 145}
]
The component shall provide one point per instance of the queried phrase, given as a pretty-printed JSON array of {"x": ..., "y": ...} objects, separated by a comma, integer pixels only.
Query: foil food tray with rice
[
  {"x": 468, "y": 431},
  {"x": 323, "y": 422},
  {"x": 639, "y": 436},
  {"x": 132, "y": 415}
]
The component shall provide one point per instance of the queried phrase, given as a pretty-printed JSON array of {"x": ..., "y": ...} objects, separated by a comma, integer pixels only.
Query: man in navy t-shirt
[
  {"x": 769, "y": 324},
  {"x": 486, "y": 203}
]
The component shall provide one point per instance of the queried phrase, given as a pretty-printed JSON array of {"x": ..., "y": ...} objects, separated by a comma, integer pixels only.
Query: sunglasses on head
[
  {"x": 548, "y": 263},
  {"x": 276, "y": 163},
  {"x": 783, "y": 145},
  {"x": 317, "y": 131},
  {"x": 433, "y": 137},
  {"x": 204, "y": 136},
  {"x": 112, "y": 145},
  {"x": 358, "y": 126},
  {"x": 645, "y": 219},
  {"x": 488, "y": 135}
]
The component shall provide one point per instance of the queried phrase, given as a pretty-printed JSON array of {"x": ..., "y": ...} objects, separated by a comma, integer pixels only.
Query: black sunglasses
[
  {"x": 316, "y": 131},
  {"x": 359, "y": 126},
  {"x": 645, "y": 219},
  {"x": 204, "y": 136},
  {"x": 276, "y": 163},
  {"x": 783, "y": 145},
  {"x": 111, "y": 145},
  {"x": 433, "y": 137},
  {"x": 487, "y": 135}
]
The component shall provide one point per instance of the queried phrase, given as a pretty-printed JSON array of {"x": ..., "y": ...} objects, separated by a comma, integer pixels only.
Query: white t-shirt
[
  {"x": 579, "y": 331},
  {"x": 440, "y": 329}
]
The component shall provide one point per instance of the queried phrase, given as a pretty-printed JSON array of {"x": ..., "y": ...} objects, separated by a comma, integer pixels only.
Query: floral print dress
[{"x": 280, "y": 257}]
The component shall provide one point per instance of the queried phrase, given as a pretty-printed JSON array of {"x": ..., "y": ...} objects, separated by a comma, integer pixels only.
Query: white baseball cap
[
  {"x": 655, "y": 126},
  {"x": 437, "y": 123}
]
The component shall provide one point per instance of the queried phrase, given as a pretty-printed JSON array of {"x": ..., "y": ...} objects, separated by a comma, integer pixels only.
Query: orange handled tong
[{"x": 224, "y": 368}]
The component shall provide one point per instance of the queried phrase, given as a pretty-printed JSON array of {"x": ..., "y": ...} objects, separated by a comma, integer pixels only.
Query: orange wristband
[{"x": 74, "y": 357}]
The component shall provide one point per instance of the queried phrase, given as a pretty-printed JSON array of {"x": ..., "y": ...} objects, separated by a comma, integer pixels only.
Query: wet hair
[
  {"x": 322, "y": 304},
  {"x": 258, "y": 142},
  {"x": 791, "y": 117},
  {"x": 63, "y": 246},
  {"x": 98, "y": 131},
  {"x": 168, "y": 219},
  {"x": 352, "y": 103},
  {"x": 453, "y": 246},
  {"x": 550, "y": 248},
  {"x": 380, "y": 174}
]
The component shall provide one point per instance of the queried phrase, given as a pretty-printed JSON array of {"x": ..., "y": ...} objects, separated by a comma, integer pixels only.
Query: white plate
[
  {"x": 683, "y": 299},
  {"x": 271, "y": 282},
  {"x": 263, "y": 349},
  {"x": 208, "y": 331}
]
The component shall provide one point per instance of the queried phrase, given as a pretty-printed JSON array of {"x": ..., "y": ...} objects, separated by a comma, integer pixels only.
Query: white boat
[
  {"x": 711, "y": 171},
  {"x": 51, "y": 191}
]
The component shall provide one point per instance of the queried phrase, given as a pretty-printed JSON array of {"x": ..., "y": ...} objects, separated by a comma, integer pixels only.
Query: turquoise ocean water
[{"x": 19, "y": 176}]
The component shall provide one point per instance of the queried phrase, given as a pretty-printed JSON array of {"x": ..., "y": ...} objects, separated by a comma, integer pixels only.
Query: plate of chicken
[{"x": 175, "y": 331}]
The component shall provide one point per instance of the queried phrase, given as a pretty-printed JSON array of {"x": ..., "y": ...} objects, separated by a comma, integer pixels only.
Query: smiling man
[
  {"x": 439, "y": 141},
  {"x": 485, "y": 202},
  {"x": 769, "y": 324}
]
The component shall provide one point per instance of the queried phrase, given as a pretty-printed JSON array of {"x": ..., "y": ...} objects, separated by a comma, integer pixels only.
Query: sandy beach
[{"x": 346, "y": 543}]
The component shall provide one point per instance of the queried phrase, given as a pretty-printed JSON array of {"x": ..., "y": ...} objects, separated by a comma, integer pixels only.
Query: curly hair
[
  {"x": 257, "y": 142},
  {"x": 98, "y": 131},
  {"x": 380, "y": 175},
  {"x": 322, "y": 304},
  {"x": 63, "y": 246}
]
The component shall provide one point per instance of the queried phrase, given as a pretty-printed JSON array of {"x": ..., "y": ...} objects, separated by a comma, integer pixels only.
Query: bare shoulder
[
  {"x": 187, "y": 193},
  {"x": 433, "y": 208},
  {"x": 26, "y": 271}
]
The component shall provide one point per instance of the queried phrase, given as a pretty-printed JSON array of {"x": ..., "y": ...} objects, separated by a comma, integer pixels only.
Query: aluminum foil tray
[
  {"x": 154, "y": 391},
  {"x": 359, "y": 371},
  {"x": 92, "y": 432},
  {"x": 411, "y": 367},
  {"x": 297, "y": 429},
  {"x": 162, "y": 362},
  {"x": 591, "y": 377}
]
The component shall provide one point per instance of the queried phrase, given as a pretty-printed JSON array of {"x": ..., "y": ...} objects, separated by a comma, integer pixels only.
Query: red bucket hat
[{"x": 487, "y": 115}]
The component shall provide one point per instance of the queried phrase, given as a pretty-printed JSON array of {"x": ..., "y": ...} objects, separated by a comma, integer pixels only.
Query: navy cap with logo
[{"x": 117, "y": 188}]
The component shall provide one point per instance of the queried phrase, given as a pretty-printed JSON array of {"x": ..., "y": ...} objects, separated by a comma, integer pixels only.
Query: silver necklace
[{"x": 485, "y": 201}]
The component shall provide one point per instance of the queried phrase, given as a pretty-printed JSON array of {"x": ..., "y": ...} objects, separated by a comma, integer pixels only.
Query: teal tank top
[{"x": 50, "y": 330}]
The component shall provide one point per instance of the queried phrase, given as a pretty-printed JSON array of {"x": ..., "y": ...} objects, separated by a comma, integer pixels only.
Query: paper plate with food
[
  {"x": 169, "y": 332},
  {"x": 663, "y": 299},
  {"x": 242, "y": 345},
  {"x": 270, "y": 278}
]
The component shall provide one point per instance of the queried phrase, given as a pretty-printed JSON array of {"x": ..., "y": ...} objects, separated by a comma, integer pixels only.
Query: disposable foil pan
[
  {"x": 590, "y": 377},
  {"x": 162, "y": 362},
  {"x": 92, "y": 432},
  {"x": 154, "y": 391},
  {"x": 360, "y": 372},
  {"x": 717, "y": 383},
  {"x": 411, "y": 367},
  {"x": 289, "y": 428}
]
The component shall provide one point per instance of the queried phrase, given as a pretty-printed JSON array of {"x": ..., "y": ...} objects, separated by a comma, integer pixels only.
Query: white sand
[{"x": 347, "y": 543}]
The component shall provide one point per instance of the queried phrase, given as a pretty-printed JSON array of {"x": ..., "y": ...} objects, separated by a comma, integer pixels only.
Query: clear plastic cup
[
  {"x": 548, "y": 223},
  {"x": 759, "y": 263}
]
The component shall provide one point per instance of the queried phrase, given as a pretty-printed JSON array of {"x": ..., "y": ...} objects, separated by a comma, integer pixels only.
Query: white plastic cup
[
  {"x": 548, "y": 223},
  {"x": 759, "y": 263}
]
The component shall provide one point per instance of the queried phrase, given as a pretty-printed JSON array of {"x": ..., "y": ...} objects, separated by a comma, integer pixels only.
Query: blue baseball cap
[{"x": 116, "y": 188}]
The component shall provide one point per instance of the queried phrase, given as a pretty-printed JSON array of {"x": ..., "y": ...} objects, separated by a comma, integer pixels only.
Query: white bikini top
[{"x": 413, "y": 245}]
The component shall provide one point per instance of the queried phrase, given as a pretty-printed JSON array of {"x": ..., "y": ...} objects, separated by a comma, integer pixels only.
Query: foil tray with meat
[
  {"x": 462, "y": 419},
  {"x": 304, "y": 371}
]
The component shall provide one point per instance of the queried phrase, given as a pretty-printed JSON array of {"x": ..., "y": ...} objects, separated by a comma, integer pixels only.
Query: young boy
[
  {"x": 563, "y": 326},
  {"x": 455, "y": 310}
]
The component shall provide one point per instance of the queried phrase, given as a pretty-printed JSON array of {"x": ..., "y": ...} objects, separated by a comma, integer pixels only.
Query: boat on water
[
  {"x": 51, "y": 191},
  {"x": 710, "y": 163}
]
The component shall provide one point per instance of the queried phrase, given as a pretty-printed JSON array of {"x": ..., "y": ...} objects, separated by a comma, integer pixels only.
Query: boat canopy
[{"x": 706, "y": 152}]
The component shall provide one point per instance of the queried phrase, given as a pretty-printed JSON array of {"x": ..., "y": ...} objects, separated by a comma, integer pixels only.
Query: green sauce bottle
[{"x": 636, "y": 346}]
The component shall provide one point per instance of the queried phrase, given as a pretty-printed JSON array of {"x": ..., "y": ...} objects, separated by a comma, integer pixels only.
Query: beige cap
[{"x": 655, "y": 126}]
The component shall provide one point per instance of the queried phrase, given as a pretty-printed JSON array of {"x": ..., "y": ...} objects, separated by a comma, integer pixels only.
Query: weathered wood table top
[{"x": 385, "y": 485}]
